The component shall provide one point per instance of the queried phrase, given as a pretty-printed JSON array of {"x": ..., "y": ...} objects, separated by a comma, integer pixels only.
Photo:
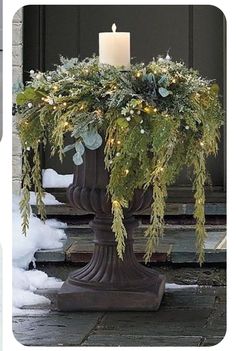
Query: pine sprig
[
  {"x": 156, "y": 227},
  {"x": 118, "y": 226},
  {"x": 36, "y": 178},
  {"x": 199, "y": 165},
  {"x": 25, "y": 197}
]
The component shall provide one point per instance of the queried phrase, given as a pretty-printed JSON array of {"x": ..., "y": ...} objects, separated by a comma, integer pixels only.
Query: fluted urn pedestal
[{"x": 108, "y": 283}]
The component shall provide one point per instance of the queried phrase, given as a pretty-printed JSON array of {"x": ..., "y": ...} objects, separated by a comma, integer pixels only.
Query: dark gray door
[{"x": 193, "y": 34}]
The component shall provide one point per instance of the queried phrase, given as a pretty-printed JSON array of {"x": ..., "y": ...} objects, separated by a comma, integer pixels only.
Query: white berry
[
  {"x": 142, "y": 131},
  {"x": 118, "y": 154},
  {"x": 168, "y": 57},
  {"x": 31, "y": 72},
  {"x": 186, "y": 127},
  {"x": 128, "y": 119},
  {"x": 30, "y": 104},
  {"x": 131, "y": 112}
]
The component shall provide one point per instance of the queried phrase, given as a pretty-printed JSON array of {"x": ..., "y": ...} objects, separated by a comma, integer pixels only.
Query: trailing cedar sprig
[{"x": 156, "y": 118}]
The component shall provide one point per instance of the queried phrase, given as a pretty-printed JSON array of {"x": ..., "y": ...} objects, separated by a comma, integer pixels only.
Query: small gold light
[
  {"x": 81, "y": 107},
  {"x": 126, "y": 172},
  {"x": 66, "y": 124},
  {"x": 138, "y": 74},
  {"x": 42, "y": 98},
  {"x": 155, "y": 72},
  {"x": 201, "y": 143},
  {"x": 147, "y": 109},
  {"x": 118, "y": 142},
  {"x": 54, "y": 108},
  {"x": 55, "y": 87},
  {"x": 115, "y": 203},
  {"x": 64, "y": 104},
  {"x": 173, "y": 80},
  {"x": 155, "y": 109}
]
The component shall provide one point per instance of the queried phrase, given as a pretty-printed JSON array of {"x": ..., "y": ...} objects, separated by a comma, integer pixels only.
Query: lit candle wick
[{"x": 113, "y": 28}]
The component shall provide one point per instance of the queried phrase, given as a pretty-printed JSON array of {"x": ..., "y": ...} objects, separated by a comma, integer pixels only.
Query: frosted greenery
[{"x": 156, "y": 119}]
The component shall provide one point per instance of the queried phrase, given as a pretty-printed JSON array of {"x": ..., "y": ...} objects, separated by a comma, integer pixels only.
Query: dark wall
[{"x": 193, "y": 34}]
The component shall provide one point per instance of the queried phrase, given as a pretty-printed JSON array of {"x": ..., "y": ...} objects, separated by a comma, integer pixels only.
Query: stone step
[
  {"x": 176, "y": 246},
  {"x": 172, "y": 208}
]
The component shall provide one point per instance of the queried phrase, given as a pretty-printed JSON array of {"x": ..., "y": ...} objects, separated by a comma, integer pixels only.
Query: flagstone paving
[{"x": 188, "y": 316}]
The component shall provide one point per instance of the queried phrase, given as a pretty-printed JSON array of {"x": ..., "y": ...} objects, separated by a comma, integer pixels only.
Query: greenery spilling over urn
[{"x": 155, "y": 119}]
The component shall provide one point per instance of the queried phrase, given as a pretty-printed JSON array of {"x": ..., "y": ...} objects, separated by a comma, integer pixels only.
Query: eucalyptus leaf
[
  {"x": 92, "y": 139},
  {"x": 77, "y": 158},
  {"x": 79, "y": 147},
  {"x": 89, "y": 137},
  {"x": 164, "y": 92},
  {"x": 96, "y": 144},
  {"x": 68, "y": 147}
]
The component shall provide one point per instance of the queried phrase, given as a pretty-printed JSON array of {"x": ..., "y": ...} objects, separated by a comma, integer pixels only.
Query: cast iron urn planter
[{"x": 108, "y": 283}]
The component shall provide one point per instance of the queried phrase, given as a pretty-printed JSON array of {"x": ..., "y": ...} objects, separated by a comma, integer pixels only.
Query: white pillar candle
[{"x": 114, "y": 48}]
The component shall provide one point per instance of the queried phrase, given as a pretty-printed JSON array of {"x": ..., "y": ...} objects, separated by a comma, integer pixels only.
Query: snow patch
[
  {"x": 170, "y": 286},
  {"x": 54, "y": 223},
  {"x": 48, "y": 199},
  {"x": 51, "y": 179},
  {"x": 28, "y": 298},
  {"x": 39, "y": 236}
]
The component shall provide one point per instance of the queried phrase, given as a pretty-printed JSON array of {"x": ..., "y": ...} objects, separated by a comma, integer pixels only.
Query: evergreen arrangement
[{"x": 155, "y": 119}]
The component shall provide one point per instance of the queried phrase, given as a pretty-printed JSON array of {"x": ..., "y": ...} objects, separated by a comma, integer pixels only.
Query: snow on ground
[
  {"x": 39, "y": 236},
  {"x": 48, "y": 199},
  {"x": 51, "y": 179}
]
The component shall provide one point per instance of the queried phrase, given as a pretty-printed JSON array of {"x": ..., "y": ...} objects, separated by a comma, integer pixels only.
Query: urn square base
[{"x": 72, "y": 298}]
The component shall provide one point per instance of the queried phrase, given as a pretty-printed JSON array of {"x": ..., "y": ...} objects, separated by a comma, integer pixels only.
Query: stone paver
[
  {"x": 54, "y": 329},
  {"x": 187, "y": 317}
]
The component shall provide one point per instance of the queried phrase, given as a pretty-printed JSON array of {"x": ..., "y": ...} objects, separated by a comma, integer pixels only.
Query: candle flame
[{"x": 113, "y": 28}]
